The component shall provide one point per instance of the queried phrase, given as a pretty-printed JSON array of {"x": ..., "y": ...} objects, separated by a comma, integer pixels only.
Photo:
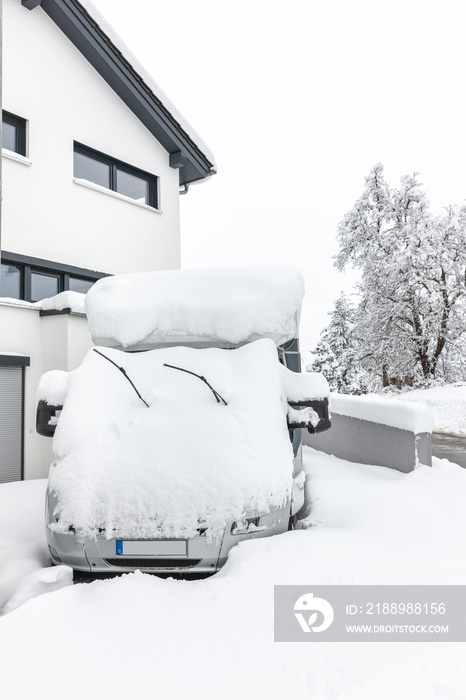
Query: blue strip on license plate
[{"x": 154, "y": 548}]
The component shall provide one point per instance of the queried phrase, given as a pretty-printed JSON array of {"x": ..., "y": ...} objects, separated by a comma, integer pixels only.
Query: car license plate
[{"x": 153, "y": 548}]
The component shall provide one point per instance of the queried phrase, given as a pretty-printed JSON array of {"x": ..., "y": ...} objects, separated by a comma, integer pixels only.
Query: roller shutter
[{"x": 11, "y": 423}]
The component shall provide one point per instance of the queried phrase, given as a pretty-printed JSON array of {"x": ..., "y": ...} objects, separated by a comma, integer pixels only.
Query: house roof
[{"x": 85, "y": 27}]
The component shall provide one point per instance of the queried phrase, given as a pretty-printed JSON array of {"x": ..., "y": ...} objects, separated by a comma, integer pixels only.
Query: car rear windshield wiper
[
  {"x": 123, "y": 371},
  {"x": 199, "y": 376}
]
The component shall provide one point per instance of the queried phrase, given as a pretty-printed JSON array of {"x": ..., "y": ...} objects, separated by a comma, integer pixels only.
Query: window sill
[
  {"x": 111, "y": 193},
  {"x": 15, "y": 156}
]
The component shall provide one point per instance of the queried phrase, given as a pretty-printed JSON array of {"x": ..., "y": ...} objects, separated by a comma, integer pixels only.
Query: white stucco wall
[
  {"x": 51, "y": 342},
  {"x": 45, "y": 213}
]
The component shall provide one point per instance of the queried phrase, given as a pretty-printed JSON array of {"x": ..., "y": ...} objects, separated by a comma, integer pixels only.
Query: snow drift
[{"x": 448, "y": 404}]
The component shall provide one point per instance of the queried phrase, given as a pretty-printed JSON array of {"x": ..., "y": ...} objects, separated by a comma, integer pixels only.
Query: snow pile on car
[
  {"x": 186, "y": 460},
  {"x": 304, "y": 387},
  {"x": 226, "y": 307}
]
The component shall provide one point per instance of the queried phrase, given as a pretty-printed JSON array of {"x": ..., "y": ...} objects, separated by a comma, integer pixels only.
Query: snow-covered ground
[
  {"x": 448, "y": 404},
  {"x": 214, "y": 638}
]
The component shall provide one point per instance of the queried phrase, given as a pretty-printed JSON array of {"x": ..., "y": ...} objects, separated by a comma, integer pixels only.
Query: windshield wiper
[
  {"x": 215, "y": 393},
  {"x": 123, "y": 371}
]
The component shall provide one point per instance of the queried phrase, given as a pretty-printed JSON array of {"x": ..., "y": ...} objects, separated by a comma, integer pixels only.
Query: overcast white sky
[{"x": 298, "y": 100}]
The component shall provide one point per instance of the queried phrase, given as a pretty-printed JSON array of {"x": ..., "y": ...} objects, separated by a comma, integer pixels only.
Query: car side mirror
[
  {"x": 313, "y": 415},
  {"x": 46, "y": 418}
]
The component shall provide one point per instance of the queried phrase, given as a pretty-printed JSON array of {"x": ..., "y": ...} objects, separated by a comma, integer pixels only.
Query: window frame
[
  {"x": 27, "y": 267},
  {"x": 20, "y": 270},
  {"x": 20, "y": 138},
  {"x": 37, "y": 272},
  {"x": 115, "y": 165}
]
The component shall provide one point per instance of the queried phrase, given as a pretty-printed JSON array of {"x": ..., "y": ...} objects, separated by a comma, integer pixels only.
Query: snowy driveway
[
  {"x": 214, "y": 638},
  {"x": 451, "y": 447}
]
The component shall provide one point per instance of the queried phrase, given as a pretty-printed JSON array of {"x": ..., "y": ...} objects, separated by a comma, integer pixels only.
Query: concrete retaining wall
[{"x": 367, "y": 442}]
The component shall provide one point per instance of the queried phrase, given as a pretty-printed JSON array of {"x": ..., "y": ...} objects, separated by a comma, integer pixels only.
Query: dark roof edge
[{"x": 90, "y": 39}]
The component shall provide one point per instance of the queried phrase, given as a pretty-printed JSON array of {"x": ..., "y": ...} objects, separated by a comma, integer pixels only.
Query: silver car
[{"x": 200, "y": 554}]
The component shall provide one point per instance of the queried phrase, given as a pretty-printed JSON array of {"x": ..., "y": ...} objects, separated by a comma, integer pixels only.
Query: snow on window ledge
[
  {"x": 112, "y": 193},
  {"x": 15, "y": 156}
]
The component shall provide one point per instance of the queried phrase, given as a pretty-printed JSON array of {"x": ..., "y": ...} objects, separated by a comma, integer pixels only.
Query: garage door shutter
[{"x": 11, "y": 422}]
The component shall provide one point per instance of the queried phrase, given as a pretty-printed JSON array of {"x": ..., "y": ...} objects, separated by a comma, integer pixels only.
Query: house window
[
  {"x": 114, "y": 175},
  {"x": 13, "y": 133},
  {"x": 32, "y": 279},
  {"x": 11, "y": 281},
  {"x": 78, "y": 284},
  {"x": 44, "y": 285},
  {"x": 88, "y": 168}
]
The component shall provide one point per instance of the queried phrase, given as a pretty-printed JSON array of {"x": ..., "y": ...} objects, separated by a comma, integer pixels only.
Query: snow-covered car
[{"x": 179, "y": 434}]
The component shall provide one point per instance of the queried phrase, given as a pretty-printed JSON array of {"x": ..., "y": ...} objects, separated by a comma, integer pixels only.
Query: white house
[{"x": 94, "y": 159}]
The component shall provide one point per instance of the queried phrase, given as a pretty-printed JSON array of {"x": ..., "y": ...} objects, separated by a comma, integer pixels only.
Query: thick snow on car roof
[
  {"x": 228, "y": 306},
  {"x": 186, "y": 460}
]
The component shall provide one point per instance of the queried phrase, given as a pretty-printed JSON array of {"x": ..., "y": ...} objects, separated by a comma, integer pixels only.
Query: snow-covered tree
[
  {"x": 335, "y": 351},
  {"x": 413, "y": 278}
]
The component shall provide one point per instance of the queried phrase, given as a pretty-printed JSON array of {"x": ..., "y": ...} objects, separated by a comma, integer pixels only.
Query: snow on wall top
[
  {"x": 118, "y": 42},
  {"x": 122, "y": 467},
  {"x": 149, "y": 309},
  {"x": 376, "y": 409},
  {"x": 63, "y": 300}
]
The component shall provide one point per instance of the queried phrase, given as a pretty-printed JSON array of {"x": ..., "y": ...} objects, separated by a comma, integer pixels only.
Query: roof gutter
[{"x": 89, "y": 38}]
